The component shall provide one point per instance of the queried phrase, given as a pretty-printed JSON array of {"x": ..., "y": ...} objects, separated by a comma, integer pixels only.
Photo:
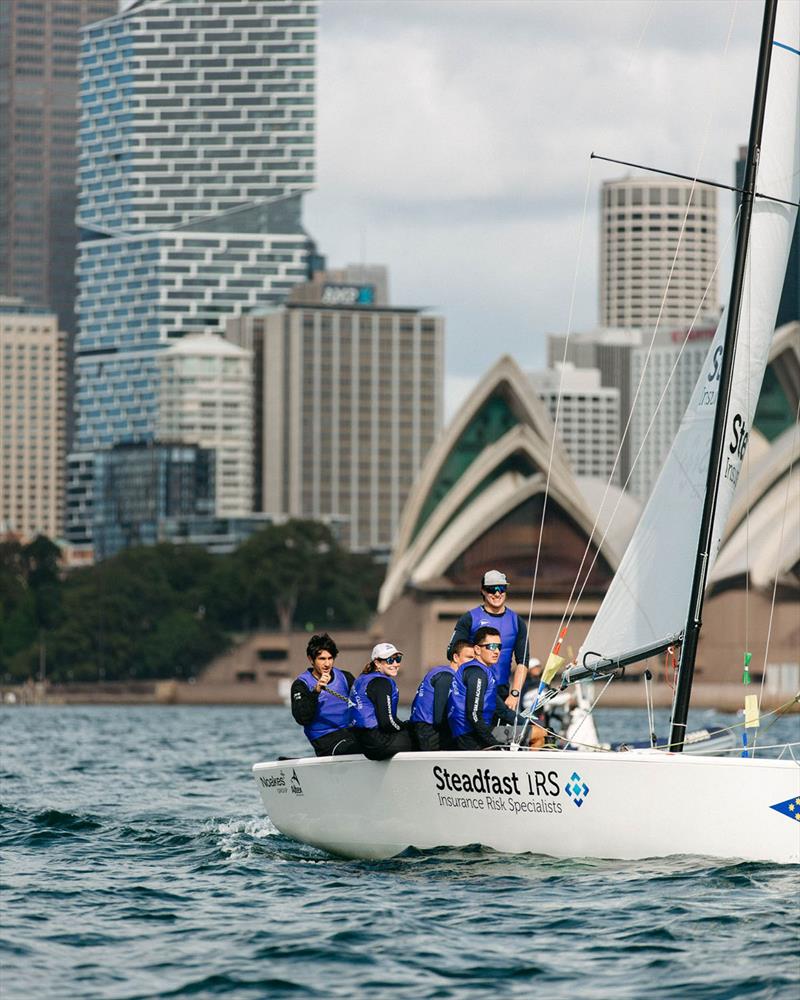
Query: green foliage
[{"x": 165, "y": 611}]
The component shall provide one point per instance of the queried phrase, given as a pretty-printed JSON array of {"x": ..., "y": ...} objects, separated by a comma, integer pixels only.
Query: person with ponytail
[
  {"x": 320, "y": 700},
  {"x": 378, "y": 732}
]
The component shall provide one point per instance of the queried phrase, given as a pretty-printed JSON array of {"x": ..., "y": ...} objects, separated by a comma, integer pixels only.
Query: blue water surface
[{"x": 137, "y": 862}]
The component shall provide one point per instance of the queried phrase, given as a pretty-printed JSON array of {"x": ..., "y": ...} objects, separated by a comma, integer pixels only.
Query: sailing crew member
[
  {"x": 530, "y": 693},
  {"x": 429, "y": 709},
  {"x": 373, "y": 706},
  {"x": 513, "y": 634},
  {"x": 319, "y": 699},
  {"x": 471, "y": 705}
]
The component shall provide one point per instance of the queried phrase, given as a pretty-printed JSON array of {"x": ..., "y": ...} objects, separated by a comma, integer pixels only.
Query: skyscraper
[
  {"x": 32, "y": 390},
  {"x": 348, "y": 403},
  {"x": 206, "y": 398},
  {"x": 196, "y": 146},
  {"x": 668, "y": 369},
  {"x": 38, "y": 123},
  {"x": 658, "y": 243},
  {"x": 588, "y": 417}
]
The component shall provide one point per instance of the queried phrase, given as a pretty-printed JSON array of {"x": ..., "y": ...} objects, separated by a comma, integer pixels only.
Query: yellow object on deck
[{"x": 551, "y": 668}]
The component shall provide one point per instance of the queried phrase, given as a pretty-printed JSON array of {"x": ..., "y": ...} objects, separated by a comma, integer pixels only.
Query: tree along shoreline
[
  {"x": 165, "y": 611},
  {"x": 720, "y": 697}
]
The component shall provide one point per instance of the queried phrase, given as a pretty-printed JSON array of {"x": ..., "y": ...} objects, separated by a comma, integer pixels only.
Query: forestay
[{"x": 649, "y": 596}]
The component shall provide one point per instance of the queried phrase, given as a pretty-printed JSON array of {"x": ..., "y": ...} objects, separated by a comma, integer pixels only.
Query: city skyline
[
  {"x": 468, "y": 173},
  {"x": 196, "y": 147}
]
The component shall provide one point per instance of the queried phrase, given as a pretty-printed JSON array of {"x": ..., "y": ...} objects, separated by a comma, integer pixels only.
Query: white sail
[{"x": 648, "y": 599}]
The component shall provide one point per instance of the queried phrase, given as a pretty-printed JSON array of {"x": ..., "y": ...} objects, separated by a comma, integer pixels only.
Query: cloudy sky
[{"x": 454, "y": 141}]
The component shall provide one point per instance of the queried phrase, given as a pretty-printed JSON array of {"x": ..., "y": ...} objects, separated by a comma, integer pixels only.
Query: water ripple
[{"x": 142, "y": 866}]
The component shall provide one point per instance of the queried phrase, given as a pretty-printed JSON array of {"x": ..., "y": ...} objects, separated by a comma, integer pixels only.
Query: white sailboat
[{"x": 636, "y": 804}]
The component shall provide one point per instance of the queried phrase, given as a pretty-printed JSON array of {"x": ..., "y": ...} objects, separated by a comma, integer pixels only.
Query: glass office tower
[{"x": 196, "y": 146}]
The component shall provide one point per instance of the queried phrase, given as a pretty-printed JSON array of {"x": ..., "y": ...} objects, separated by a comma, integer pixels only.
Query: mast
[{"x": 680, "y": 708}]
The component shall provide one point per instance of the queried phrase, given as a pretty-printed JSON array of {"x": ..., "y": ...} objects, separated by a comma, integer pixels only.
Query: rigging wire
[
  {"x": 568, "y": 617},
  {"x": 627, "y": 75},
  {"x": 778, "y": 712},
  {"x": 572, "y": 607},
  {"x": 558, "y": 406}
]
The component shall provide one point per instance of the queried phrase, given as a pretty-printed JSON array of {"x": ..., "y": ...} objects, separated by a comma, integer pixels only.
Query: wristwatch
[{"x": 514, "y": 693}]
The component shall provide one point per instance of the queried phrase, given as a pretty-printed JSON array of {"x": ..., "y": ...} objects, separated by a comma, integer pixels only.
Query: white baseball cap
[
  {"x": 494, "y": 578},
  {"x": 383, "y": 651}
]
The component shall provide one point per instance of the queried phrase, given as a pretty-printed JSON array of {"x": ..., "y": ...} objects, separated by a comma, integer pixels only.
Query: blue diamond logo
[{"x": 577, "y": 789}]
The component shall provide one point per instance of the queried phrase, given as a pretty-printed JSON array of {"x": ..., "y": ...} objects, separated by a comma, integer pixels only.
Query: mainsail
[{"x": 648, "y": 599}]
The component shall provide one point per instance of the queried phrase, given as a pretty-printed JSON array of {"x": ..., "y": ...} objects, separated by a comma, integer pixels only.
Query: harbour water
[{"x": 137, "y": 862}]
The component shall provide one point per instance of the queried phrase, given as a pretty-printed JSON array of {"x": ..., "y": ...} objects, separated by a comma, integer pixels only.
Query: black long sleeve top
[
  {"x": 379, "y": 692},
  {"x": 436, "y": 734},
  {"x": 475, "y": 681},
  {"x": 304, "y": 701}
]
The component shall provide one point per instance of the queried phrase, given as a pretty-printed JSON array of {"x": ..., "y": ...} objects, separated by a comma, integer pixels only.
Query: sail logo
[
  {"x": 577, "y": 789},
  {"x": 736, "y": 448}
]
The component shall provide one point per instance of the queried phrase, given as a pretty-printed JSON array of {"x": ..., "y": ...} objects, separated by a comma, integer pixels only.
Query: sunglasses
[
  {"x": 398, "y": 658},
  {"x": 495, "y": 590},
  {"x": 494, "y": 646}
]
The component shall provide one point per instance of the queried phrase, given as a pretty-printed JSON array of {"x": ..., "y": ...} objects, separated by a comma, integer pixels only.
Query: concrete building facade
[
  {"x": 32, "y": 424},
  {"x": 665, "y": 376},
  {"x": 658, "y": 245},
  {"x": 348, "y": 404},
  {"x": 588, "y": 417},
  {"x": 206, "y": 398}
]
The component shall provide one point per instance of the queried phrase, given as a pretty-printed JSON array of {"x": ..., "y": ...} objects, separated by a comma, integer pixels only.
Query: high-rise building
[
  {"x": 196, "y": 146},
  {"x": 609, "y": 352},
  {"x": 789, "y": 306},
  {"x": 145, "y": 490},
  {"x": 206, "y": 398},
  {"x": 38, "y": 125},
  {"x": 32, "y": 391},
  {"x": 640, "y": 367},
  {"x": 588, "y": 417},
  {"x": 665, "y": 380},
  {"x": 658, "y": 253},
  {"x": 348, "y": 400}
]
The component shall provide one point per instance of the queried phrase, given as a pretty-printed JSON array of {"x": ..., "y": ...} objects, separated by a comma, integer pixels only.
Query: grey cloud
[{"x": 454, "y": 141}]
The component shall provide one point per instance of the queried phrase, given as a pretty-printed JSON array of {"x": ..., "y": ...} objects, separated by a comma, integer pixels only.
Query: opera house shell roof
[{"x": 479, "y": 499}]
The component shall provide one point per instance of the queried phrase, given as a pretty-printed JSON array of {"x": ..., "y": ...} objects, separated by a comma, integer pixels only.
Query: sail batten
[{"x": 649, "y": 596}]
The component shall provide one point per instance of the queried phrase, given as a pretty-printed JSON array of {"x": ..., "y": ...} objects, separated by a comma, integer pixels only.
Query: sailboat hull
[{"x": 558, "y": 803}]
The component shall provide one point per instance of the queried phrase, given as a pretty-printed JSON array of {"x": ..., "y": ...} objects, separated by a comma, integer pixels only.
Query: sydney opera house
[{"x": 497, "y": 491}]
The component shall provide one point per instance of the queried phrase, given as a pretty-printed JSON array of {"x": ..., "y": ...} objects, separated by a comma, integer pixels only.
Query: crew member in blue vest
[
  {"x": 429, "y": 708},
  {"x": 471, "y": 705},
  {"x": 513, "y": 637},
  {"x": 373, "y": 706},
  {"x": 320, "y": 700}
]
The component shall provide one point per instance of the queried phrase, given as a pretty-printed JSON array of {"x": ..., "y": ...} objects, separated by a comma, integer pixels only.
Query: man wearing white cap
[{"x": 493, "y": 613}]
